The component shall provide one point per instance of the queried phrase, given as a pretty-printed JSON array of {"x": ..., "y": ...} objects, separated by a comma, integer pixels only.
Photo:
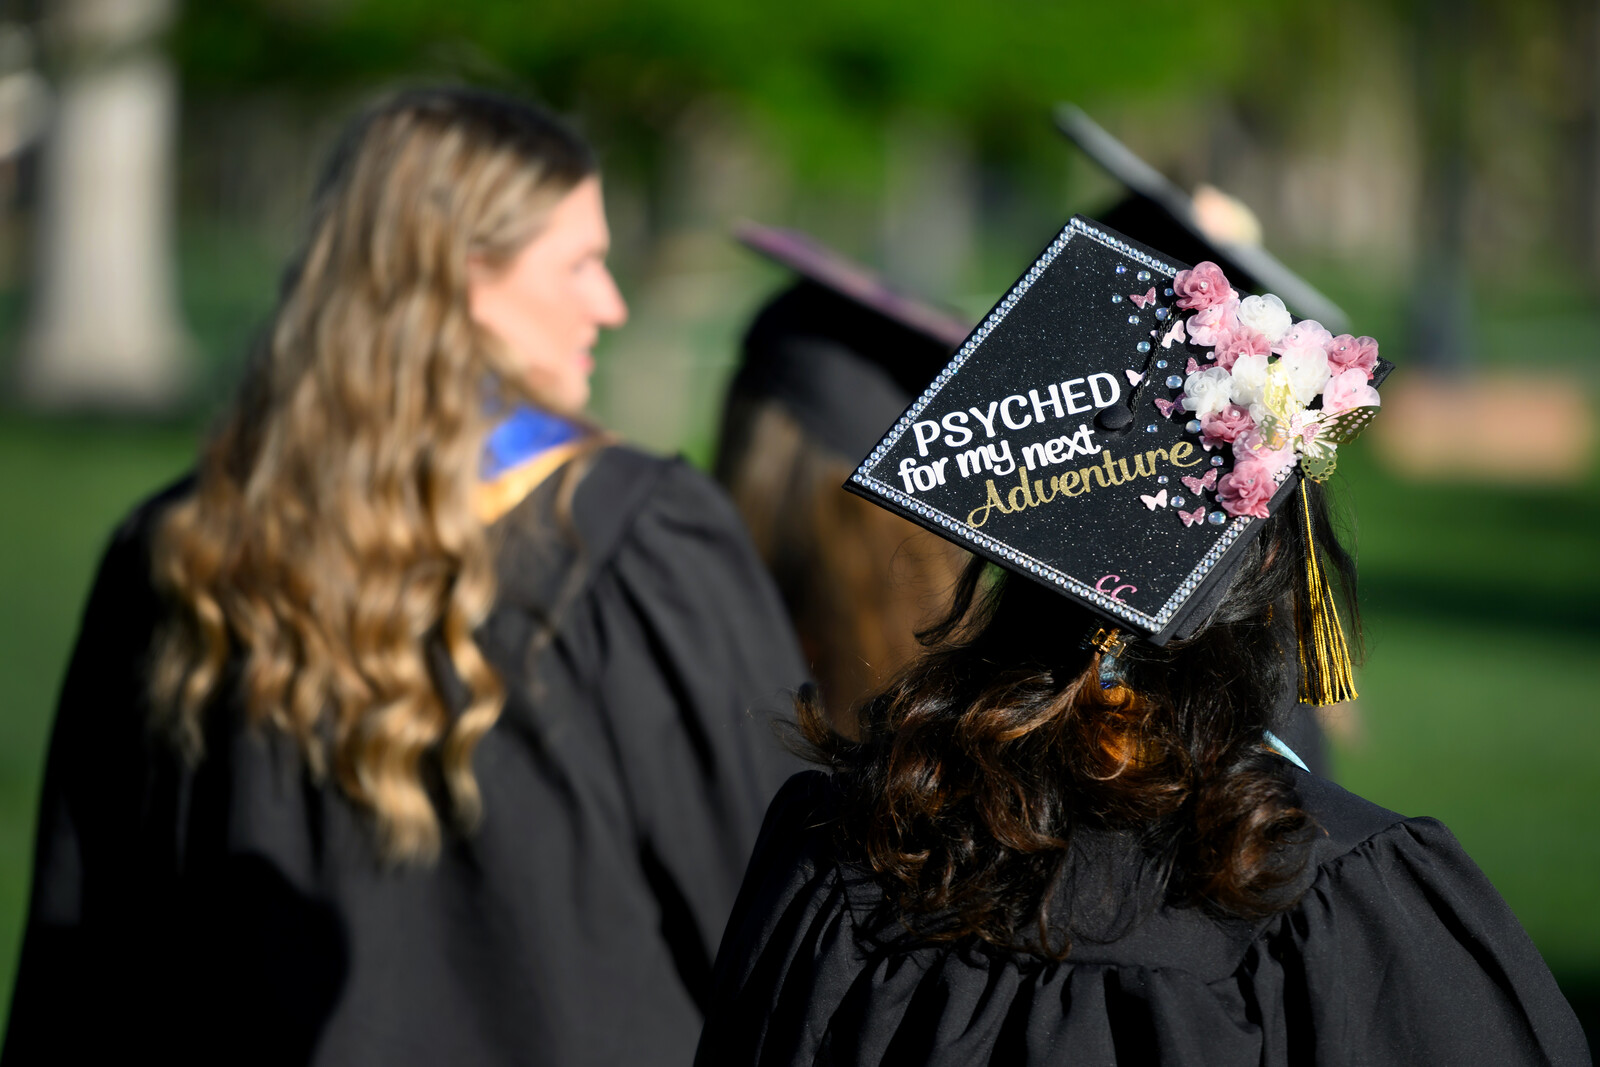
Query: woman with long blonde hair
[{"x": 421, "y": 723}]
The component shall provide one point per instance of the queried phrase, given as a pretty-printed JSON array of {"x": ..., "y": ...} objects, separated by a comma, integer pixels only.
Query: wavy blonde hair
[{"x": 331, "y": 540}]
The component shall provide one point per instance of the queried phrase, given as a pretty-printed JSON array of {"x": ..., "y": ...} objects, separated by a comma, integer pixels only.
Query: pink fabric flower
[
  {"x": 1209, "y": 325},
  {"x": 1247, "y": 489},
  {"x": 1348, "y": 389},
  {"x": 1226, "y": 426},
  {"x": 1203, "y": 287},
  {"x": 1307, "y": 335},
  {"x": 1253, "y": 447},
  {"x": 1240, "y": 342},
  {"x": 1352, "y": 353}
]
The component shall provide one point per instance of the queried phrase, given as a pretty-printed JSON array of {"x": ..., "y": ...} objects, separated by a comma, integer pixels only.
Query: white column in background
[{"x": 105, "y": 331}]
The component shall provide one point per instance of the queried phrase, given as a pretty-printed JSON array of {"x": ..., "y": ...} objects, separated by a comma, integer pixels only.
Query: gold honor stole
[{"x": 519, "y": 454}]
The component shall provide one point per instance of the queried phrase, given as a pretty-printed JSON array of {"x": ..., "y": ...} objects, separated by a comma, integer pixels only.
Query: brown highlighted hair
[
  {"x": 858, "y": 581},
  {"x": 331, "y": 541},
  {"x": 975, "y": 765}
]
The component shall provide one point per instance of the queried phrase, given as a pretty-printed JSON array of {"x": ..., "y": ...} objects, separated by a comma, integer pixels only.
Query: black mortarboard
[
  {"x": 841, "y": 350},
  {"x": 1055, "y": 443},
  {"x": 1161, "y": 215}
]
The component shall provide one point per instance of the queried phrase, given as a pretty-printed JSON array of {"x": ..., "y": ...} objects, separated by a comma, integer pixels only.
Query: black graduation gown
[
  {"x": 238, "y": 913},
  {"x": 1399, "y": 952}
]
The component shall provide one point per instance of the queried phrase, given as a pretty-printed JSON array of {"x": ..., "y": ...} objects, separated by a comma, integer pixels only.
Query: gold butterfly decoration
[{"x": 1319, "y": 434}]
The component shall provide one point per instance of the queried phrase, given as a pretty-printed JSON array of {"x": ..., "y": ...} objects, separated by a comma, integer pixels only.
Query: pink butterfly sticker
[
  {"x": 1167, "y": 407},
  {"x": 1191, "y": 517},
  {"x": 1134, "y": 376},
  {"x": 1194, "y": 368},
  {"x": 1197, "y": 484},
  {"x": 1174, "y": 333},
  {"x": 1153, "y": 502},
  {"x": 1146, "y": 299}
]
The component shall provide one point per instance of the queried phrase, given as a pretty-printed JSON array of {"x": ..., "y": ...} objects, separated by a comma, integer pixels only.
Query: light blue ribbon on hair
[{"x": 1276, "y": 744}]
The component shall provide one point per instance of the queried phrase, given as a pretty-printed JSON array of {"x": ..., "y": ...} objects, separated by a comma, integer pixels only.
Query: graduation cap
[
  {"x": 840, "y": 349},
  {"x": 1161, "y": 215},
  {"x": 1118, "y": 425}
]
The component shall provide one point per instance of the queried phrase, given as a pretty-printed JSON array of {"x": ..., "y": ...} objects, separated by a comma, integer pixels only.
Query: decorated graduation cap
[
  {"x": 1199, "y": 228},
  {"x": 840, "y": 349},
  {"x": 1117, "y": 427}
]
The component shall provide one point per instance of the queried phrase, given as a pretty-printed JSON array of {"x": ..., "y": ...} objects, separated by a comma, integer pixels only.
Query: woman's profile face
[{"x": 550, "y": 302}]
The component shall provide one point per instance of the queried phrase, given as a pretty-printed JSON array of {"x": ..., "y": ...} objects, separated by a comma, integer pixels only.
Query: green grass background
[{"x": 1478, "y": 699}]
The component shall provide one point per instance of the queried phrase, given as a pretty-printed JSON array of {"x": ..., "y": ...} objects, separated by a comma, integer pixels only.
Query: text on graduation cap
[{"x": 1076, "y": 396}]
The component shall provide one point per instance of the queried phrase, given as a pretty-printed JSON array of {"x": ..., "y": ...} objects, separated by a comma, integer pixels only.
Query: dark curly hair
[{"x": 976, "y": 763}]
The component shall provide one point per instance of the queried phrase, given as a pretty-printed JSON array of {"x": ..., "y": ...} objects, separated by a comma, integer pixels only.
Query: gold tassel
[{"x": 1326, "y": 674}]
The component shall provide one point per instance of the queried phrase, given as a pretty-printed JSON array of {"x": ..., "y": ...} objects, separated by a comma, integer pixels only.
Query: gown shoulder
[{"x": 1398, "y": 951}]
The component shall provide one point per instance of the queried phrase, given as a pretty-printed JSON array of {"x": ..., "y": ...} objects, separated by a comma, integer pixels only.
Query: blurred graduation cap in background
[
  {"x": 1207, "y": 226},
  {"x": 841, "y": 350},
  {"x": 827, "y": 361}
]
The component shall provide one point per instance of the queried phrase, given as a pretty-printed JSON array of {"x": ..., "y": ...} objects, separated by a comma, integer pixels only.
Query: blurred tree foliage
[{"x": 821, "y": 77}]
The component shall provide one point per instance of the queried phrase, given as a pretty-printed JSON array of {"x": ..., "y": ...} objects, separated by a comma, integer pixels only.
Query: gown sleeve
[
  {"x": 1403, "y": 952},
  {"x": 72, "y": 961},
  {"x": 700, "y": 666},
  {"x": 787, "y": 955}
]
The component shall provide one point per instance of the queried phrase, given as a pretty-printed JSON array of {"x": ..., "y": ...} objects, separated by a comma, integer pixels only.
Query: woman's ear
[
  {"x": 478, "y": 270},
  {"x": 481, "y": 273}
]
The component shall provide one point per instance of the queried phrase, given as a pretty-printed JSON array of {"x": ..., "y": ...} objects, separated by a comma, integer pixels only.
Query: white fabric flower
[
  {"x": 1307, "y": 369},
  {"x": 1250, "y": 382},
  {"x": 1207, "y": 392},
  {"x": 1265, "y": 315}
]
